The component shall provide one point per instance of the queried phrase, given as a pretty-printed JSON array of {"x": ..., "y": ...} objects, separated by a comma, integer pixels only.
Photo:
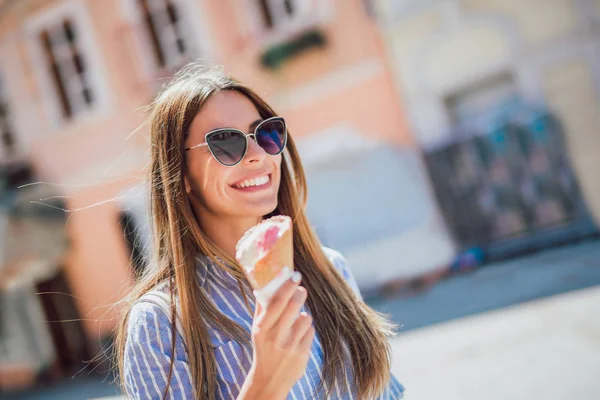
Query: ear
[{"x": 187, "y": 185}]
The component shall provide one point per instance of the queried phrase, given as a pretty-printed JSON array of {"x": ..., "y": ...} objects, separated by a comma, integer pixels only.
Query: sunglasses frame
[{"x": 246, "y": 136}]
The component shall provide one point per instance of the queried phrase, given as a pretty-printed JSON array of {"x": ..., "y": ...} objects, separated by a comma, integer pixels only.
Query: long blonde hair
[{"x": 338, "y": 316}]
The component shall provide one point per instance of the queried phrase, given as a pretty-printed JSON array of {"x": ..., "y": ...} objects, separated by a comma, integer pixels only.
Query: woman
[{"x": 210, "y": 181}]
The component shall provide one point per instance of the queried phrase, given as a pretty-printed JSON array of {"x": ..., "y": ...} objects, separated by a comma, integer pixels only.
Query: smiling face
[{"x": 246, "y": 190}]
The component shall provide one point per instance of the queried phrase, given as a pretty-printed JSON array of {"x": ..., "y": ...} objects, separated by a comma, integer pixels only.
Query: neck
[{"x": 225, "y": 232}]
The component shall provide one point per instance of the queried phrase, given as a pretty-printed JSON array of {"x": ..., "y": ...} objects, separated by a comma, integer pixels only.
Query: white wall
[
  {"x": 372, "y": 202},
  {"x": 441, "y": 47}
]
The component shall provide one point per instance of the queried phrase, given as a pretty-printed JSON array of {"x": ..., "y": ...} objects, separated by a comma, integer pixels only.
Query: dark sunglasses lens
[
  {"x": 228, "y": 147},
  {"x": 271, "y": 136}
]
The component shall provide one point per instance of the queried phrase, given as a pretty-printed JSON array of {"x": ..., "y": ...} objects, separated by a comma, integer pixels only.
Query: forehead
[{"x": 225, "y": 109}]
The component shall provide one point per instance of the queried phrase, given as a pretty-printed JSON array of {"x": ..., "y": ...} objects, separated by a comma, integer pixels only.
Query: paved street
[
  {"x": 498, "y": 285},
  {"x": 546, "y": 349},
  {"x": 538, "y": 343}
]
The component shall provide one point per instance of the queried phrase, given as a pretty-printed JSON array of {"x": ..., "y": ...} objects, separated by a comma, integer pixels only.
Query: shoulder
[
  {"x": 338, "y": 260},
  {"x": 152, "y": 309},
  {"x": 150, "y": 327},
  {"x": 148, "y": 353},
  {"x": 334, "y": 256},
  {"x": 341, "y": 265}
]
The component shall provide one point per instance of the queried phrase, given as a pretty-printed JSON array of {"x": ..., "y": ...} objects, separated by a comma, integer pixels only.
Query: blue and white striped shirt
[{"x": 148, "y": 345}]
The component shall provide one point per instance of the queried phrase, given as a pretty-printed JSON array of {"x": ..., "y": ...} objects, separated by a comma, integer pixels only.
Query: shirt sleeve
[
  {"x": 339, "y": 262},
  {"x": 148, "y": 356},
  {"x": 395, "y": 389}
]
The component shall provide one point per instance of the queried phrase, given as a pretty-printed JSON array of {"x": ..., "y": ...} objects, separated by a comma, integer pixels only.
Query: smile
[{"x": 255, "y": 183}]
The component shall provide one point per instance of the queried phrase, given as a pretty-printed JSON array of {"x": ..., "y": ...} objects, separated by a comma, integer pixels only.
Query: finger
[
  {"x": 306, "y": 342},
  {"x": 277, "y": 304},
  {"x": 299, "y": 329},
  {"x": 288, "y": 317}
]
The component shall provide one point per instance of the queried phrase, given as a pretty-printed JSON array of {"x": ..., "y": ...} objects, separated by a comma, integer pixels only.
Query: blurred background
[{"x": 451, "y": 149}]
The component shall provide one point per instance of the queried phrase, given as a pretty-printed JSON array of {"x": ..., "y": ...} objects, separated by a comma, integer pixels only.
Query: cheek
[
  {"x": 278, "y": 160},
  {"x": 209, "y": 178}
]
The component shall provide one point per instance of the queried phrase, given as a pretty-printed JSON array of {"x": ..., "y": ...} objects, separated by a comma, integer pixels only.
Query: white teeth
[{"x": 254, "y": 182}]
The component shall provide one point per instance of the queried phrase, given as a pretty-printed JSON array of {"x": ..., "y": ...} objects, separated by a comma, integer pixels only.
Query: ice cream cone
[{"x": 265, "y": 249}]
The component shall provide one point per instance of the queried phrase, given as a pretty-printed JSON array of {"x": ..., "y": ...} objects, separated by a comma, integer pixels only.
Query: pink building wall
[{"x": 348, "y": 81}]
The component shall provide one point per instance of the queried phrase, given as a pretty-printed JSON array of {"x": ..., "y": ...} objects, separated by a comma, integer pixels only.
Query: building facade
[
  {"x": 503, "y": 96},
  {"x": 77, "y": 74}
]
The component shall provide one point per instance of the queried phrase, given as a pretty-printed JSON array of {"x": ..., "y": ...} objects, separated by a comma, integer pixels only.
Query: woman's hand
[{"x": 282, "y": 339}]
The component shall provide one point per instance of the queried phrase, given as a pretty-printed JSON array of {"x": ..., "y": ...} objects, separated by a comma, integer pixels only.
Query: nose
[{"x": 255, "y": 153}]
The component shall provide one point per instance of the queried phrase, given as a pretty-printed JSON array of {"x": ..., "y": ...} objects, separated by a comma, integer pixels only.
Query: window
[
  {"x": 166, "y": 33},
  {"x": 482, "y": 99},
  {"x": 67, "y": 67},
  {"x": 276, "y": 13},
  {"x": 275, "y": 22},
  {"x": 7, "y": 138},
  {"x": 67, "y": 63}
]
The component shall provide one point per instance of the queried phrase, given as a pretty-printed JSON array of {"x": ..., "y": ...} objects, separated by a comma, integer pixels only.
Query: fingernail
[
  {"x": 296, "y": 277},
  {"x": 284, "y": 271}
]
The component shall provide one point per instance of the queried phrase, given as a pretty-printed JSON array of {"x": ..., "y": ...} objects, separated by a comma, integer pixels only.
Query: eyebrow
[{"x": 254, "y": 124}]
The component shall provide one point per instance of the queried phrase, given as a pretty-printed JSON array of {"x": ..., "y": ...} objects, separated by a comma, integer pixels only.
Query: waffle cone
[
  {"x": 279, "y": 256},
  {"x": 262, "y": 266}
]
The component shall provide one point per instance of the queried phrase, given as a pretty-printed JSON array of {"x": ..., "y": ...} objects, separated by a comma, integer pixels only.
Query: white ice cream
[{"x": 247, "y": 250}]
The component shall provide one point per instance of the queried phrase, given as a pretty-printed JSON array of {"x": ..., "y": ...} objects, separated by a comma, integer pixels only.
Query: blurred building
[
  {"x": 504, "y": 99},
  {"x": 76, "y": 75}
]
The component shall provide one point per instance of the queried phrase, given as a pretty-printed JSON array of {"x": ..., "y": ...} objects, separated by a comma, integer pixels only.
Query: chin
[
  {"x": 267, "y": 210},
  {"x": 272, "y": 209},
  {"x": 261, "y": 211},
  {"x": 252, "y": 209}
]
